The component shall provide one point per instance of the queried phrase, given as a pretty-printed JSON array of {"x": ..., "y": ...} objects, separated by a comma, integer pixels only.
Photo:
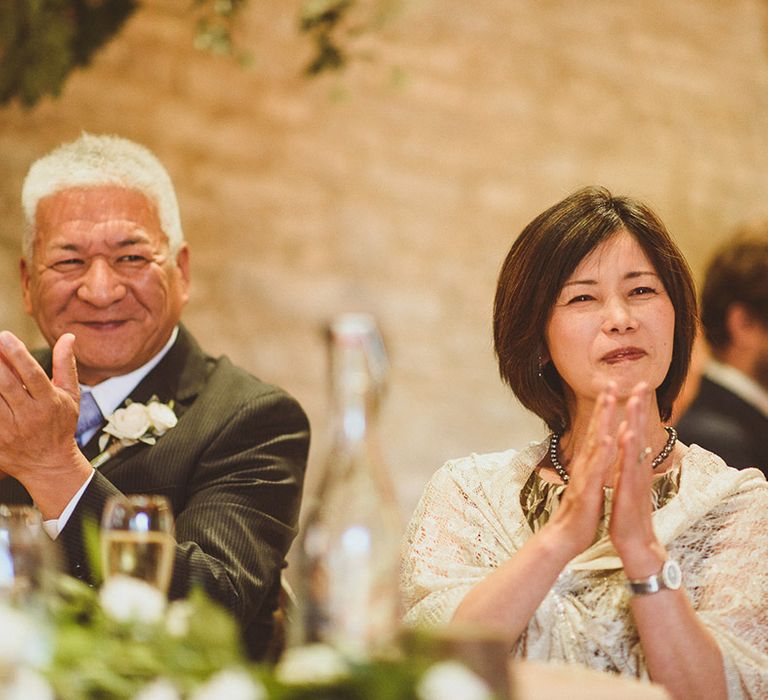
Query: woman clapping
[{"x": 609, "y": 544}]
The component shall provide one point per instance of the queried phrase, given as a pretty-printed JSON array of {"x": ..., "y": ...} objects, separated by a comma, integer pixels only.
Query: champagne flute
[{"x": 137, "y": 539}]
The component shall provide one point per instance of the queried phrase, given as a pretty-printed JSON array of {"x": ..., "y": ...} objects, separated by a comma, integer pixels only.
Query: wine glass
[
  {"x": 27, "y": 555},
  {"x": 137, "y": 539},
  {"x": 29, "y": 563}
]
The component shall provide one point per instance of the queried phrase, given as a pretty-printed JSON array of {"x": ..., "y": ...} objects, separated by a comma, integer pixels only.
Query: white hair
[{"x": 97, "y": 160}]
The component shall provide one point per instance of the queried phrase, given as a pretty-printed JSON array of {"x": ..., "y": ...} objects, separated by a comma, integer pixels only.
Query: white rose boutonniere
[
  {"x": 161, "y": 417},
  {"x": 137, "y": 422},
  {"x": 129, "y": 423}
]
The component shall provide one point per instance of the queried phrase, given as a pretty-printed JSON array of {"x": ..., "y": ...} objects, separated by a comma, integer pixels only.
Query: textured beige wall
[{"x": 301, "y": 199}]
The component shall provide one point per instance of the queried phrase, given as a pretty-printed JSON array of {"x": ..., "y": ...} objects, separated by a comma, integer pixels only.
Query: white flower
[
  {"x": 129, "y": 423},
  {"x": 451, "y": 679},
  {"x": 314, "y": 663},
  {"x": 158, "y": 690},
  {"x": 136, "y": 422},
  {"x": 28, "y": 685},
  {"x": 161, "y": 416},
  {"x": 128, "y": 599},
  {"x": 231, "y": 684},
  {"x": 177, "y": 618},
  {"x": 16, "y": 636}
]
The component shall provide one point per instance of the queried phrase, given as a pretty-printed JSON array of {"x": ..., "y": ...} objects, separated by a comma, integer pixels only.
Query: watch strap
[
  {"x": 669, "y": 577},
  {"x": 645, "y": 586}
]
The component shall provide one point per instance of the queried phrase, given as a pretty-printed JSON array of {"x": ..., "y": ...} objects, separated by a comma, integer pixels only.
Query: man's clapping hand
[{"x": 38, "y": 417}]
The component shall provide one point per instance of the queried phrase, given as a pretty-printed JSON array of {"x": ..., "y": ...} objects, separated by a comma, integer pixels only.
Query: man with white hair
[{"x": 105, "y": 274}]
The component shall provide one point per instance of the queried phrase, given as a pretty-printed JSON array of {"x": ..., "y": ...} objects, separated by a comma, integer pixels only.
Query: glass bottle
[{"x": 349, "y": 551}]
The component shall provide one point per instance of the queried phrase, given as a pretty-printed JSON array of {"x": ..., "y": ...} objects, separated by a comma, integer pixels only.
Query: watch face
[{"x": 671, "y": 574}]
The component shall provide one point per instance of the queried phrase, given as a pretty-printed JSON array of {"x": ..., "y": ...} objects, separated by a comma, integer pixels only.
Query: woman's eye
[
  {"x": 642, "y": 291},
  {"x": 580, "y": 298}
]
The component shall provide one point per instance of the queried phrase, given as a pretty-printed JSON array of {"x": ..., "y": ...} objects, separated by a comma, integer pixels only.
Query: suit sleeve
[{"x": 243, "y": 506}]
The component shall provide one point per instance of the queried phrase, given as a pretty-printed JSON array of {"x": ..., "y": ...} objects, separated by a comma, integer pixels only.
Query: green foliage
[
  {"x": 92, "y": 542},
  {"x": 320, "y": 19},
  {"x": 96, "y": 656},
  {"x": 42, "y": 41},
  {"x": 214, "y": 25},
  {"x": 99, "y": 657},
  {"x": 334, "y": 25}
]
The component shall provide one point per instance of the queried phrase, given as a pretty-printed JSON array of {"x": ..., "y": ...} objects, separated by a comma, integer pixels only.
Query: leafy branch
[{"x": 43, "y": 41}]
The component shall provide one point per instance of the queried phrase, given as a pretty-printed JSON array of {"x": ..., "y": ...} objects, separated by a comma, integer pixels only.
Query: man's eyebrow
[
  {"x": 628, "y": 276},
  {"x": 67, "y": 246},
  {"x": 122, "y": 243},
  {"x": 135, "y": 240}
]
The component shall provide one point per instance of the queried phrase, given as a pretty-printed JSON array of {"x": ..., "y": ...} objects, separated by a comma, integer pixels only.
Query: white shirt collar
[
  {"x": 738, "y": 383},
  {"x": 110, "y": 393}
]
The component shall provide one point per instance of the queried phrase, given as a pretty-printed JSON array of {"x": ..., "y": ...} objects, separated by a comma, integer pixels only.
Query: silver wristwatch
[{"x": 670, "y": 577}]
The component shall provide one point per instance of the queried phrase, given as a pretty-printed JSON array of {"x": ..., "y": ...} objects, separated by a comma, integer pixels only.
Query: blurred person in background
[
  {"x": 729, "y": 414},
  {"x": 105, "y": 275}
]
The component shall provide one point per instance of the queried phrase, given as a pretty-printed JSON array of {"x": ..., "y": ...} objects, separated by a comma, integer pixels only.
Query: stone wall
[{"x": 398, "y": 186}]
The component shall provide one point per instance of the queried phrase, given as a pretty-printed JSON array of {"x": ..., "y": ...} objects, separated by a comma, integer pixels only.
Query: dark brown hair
[
  {"x": 737, "y": 274},
  {"x": 537, "y": 266}
]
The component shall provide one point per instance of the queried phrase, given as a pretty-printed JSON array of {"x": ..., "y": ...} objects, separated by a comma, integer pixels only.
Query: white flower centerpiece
[
  {"x": 136, "y": 422},
  {"x": 447, "y": 679},
  {"x": 128, "y": 599},
  {"x": 24, "y": 650},
  {"x": 119, "y": 643},
  {"x": 126, "y": 643}
]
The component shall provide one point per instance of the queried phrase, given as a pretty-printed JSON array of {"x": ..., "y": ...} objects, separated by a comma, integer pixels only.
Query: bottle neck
[
  {"x": 356, "y": 417},
  {"x": 355, "y": 457},
  {"x": 355, "y": 392}
]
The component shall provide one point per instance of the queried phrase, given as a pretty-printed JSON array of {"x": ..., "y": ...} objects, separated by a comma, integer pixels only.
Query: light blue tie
[{"x": 90, "y": 417}]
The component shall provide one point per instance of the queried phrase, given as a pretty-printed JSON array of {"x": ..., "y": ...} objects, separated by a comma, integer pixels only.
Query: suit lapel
[{"x": 178, "y": 377}]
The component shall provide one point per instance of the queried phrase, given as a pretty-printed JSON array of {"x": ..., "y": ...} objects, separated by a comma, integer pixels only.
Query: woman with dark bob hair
[{"x": 608, "y": 544}]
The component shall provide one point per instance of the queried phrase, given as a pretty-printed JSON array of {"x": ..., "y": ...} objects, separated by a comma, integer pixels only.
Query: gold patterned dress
[
  {"x": 540, "y": 498},
  {"x": 477, "y": 512}
]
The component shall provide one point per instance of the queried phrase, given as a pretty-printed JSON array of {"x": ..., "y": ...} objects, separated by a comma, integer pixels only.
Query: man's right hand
[{"x": 38, "y": 417}]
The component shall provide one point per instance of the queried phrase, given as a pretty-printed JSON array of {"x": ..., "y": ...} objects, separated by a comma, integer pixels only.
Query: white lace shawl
[{"x": 469, "y": 520}]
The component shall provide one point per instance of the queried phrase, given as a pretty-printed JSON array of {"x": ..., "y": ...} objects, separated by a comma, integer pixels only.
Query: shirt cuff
[{"x": 54, "y": 526}]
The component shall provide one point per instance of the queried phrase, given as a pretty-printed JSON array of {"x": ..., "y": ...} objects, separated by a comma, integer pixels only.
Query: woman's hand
[
  {"x": 680, "y": 652},
  {"x": 507, "y": 598},
  {"x": 631, "y": 526},
  {"x": 581, "y": 508}
]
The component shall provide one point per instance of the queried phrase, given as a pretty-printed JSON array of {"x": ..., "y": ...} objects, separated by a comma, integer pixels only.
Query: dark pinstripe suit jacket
[{"x": 233, "y": 469}]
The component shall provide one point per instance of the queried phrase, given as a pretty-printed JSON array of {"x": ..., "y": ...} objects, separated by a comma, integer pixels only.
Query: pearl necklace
[{"x": 554, "y": 440}]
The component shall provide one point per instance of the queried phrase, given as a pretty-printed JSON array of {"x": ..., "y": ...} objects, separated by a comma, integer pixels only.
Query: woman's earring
[{"x": 541, "y": 368}]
